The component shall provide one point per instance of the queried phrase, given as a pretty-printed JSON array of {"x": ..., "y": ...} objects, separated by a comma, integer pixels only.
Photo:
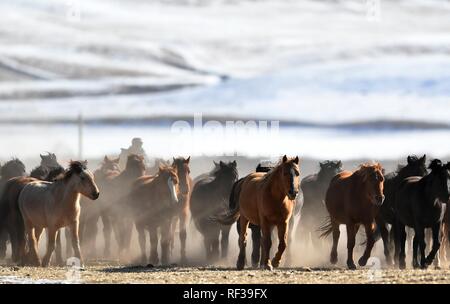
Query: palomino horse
[
  {"x": 266, "y": 200},
  {"x": 354, "y": 198},
  {"x": 153, "y": 202},
  {"x": 10, "y": 169},
  {"x": 209, "y": 198},
  {"x": 314, "y": 188},
  {"x": 420, "y": 203},
  {"x": 415, "y": 167},
  {"x": 181, "y": 165},
  {"x": 53, "y": 206},
  {"x": 91, "y": 213}
]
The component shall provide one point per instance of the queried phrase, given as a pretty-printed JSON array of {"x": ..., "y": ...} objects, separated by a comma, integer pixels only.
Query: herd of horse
[{"x": 52, "y": 198}]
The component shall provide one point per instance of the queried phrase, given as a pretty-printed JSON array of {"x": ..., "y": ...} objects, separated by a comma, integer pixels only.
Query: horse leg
[
  {"x": 107, "y": 230},
  {"x": 141, "y": 238},
  {"x": 336, "y": 234},
  {"x": 352, "y": 229},
  {"x": 243, "y": 222},
  {"x": 52, "y": 231},
  {"x": 32, "y": 247},
  {"x": 183, "y": 236},
  {"x": 165, "y": 242},
  {"x": 153, "y": 231},
  {"x": 415, "y": 261},
  {"x": 224, "y": 241},
  {"x": 3, "y": 241},
  {"x": 436, "y": 229},
  {"x": 207, "y": 244},
  {"x": 370, "y": 231},
  {"x": 256, "y": 242},
  {"x": 215, "y": 236},
  {"x": 282, "y": 230},
  {"x": 266, "y": 231},
  {"x": 385, "y": 237},
  {"x": 289, "y": 241},
  {"x": 76, "y": 241}
]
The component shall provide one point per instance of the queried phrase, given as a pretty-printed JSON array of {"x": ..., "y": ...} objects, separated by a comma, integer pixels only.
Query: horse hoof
[
  {"x": 255, "y": 264},
  {"x": 351, "y": 265},
  {"x": 268, "y": 267},
  {"x": 389, "y": 261},
  {"x": 240, "y": 265},
  {"x": 275, "y": 263},
  {"x": 362, "y": 261},
  {"x": 183, "y": 261},
  {"x": 402, "y": 265},
  {"x": 333, "y": 258}
]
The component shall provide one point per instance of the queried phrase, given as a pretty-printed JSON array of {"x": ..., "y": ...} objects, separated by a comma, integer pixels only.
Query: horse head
[
  {"x": 12, "y": 168},
  {"x": 290, "y": 172},
  {"x": 82, "y": 179},
  {"x": 136, "y": 164},
  {"x": 110, "y": 164},
  {"x": 170, "y": 177},
  {"x": 438, "y": 184},
  {"x": 416, "y": 166},
  {"x": 329, "y": 169},
  {"x": 373, "y": 182},
  {"x": 182, "y": 166}
]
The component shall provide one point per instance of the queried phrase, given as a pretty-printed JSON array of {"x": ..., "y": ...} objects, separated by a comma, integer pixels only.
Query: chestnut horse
[
  {"x": 354, "y": 198},
  {"x": 181, "y": 165},
  {"x": 53, "y": 206},
  {"x": 152, "y": 203},
  {"x": 265, "y": 200}
]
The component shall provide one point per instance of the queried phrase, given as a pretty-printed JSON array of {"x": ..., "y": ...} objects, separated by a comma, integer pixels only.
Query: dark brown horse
[
  {"x": 10, "y": 169},
  {"x": 314, "y": 188},
  {"x": 181, "y": 166},
  {"x": 209, "y": 197},
  {"x": 354, "y": 198},
  {"x": 91, "y": 213},
  {"x": 266, "y": 200},
  {"x": 152, "y": 204},
  {"x": 116, "y": 191}
]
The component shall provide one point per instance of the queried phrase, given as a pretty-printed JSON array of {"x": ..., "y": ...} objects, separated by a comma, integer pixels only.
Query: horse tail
[
  {"x": 233, "y": 213},
  {"x": 326, "y": 228}
]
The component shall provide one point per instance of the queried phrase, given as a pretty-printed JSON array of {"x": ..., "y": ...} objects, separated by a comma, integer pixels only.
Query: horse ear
[
  {"x": 187, "y": 160},
  {"x": 321, "y": 164},
  {"x": 296, "y": 160},
  {"x": 285, "y": 158},
  {"x": 221, "y": 163},
  {"x": 234, "y": 163},
  {"x": 105, "y": 159},
  {"x": 423, "y": 159},
  {"x": 339, "y": 163},
  {"x": 42, "y": 156},
  {"x": 409, "y": 159},
  {"x": 447, "y": 166}
]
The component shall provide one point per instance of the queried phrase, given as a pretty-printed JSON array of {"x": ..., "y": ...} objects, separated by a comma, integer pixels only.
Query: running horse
[
  {"x": 181, "y": 165},
  {"x": 354, "y": 198},
  {"x": 54, "y": 205},
  {"x": 266, "y": 200},
  {"x": 152, "y": 204}
]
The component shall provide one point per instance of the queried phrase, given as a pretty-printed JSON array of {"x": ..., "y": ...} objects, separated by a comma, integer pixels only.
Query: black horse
[
  {"x": 415, "y": 167},
  {"x": 419, "y": 204},
  {"x": 48, "y": 169},
  {"x": 314, "y": 188},
  {"x": 10, "y": 169},
  {"x": 208, "y": 198}
]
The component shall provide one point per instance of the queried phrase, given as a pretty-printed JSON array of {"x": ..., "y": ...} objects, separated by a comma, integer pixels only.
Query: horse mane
[
  {"x": 74, "y": 167},
  {"x": 366, "y": 168},
  {"x": 12, "y": 162}
]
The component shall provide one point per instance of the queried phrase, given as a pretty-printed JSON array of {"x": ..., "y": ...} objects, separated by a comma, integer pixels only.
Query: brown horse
[
  {"x": 153, "y": 203},
  {"x": 266, "y": 200},
  {"x": 91, "y": 213},
  {"x": 185, "y": 185},
  {"x": 354, "y": 198},
  {"x": 53, "y": 206},
  {"x": 115, "y": 190}
]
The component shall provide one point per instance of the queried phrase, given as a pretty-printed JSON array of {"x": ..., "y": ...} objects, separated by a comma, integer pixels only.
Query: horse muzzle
[
  {"x": 378, "y": 200},
  {"x": 292, "y": 195},
  {"x": 95, "y": 195}
]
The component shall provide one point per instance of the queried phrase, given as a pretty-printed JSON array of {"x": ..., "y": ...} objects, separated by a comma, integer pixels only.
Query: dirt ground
[{"x": 113, "y": 273}]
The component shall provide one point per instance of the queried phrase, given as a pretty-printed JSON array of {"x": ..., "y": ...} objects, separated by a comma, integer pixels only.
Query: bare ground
[{"x": 114, "y": 273}]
